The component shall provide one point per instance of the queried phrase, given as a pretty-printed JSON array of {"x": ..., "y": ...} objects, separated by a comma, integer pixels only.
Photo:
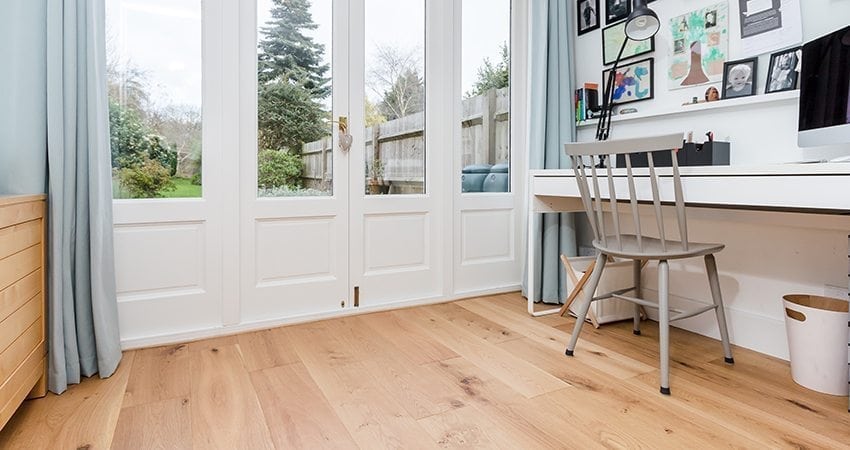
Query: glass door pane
[
  {"x": 395, "y": 96},
  {"x": 154, "y": 86},
  {"x": 485, "y": 124},
  {"x": 294, "y": 98}
]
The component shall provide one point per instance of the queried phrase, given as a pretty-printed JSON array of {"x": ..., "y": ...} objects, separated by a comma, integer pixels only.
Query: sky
[{"x": 163, "y": 37}]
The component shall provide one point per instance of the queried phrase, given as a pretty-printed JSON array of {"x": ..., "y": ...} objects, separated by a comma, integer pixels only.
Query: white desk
[{"x": 795, "y": 189}]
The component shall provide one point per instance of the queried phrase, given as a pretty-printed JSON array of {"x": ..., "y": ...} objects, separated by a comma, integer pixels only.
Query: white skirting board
[{"x": 204, "y": 333}]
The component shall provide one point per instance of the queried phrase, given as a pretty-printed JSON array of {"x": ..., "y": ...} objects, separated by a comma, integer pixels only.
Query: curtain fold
[
  {"x": 551, "y": 125},
  {"x": 82, "y": 308}
]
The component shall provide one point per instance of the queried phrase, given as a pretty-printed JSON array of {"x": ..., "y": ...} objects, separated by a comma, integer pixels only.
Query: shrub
[
  {"x": 196, "y": 179},
  {"x": 278, "y": 168},
  {"x": 146, "y": 180}
]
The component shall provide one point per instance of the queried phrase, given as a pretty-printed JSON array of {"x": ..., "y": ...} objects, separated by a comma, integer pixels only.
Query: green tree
[
  {"x": 288, "y": 116},
  {"x": 373, "y": 116},
  {"x": 278, "y": 169},
  {"x": 287, "y": 54},
  {"x": 146, "y": 180},
  {"x": 493, "y": 76},
  {"x": 133, "y": 143}
]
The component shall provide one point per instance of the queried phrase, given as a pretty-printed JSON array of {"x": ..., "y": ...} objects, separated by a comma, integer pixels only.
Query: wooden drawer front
[
  {"x": 15, "y": 354},
  {"x": 19, "y": 321},
  {"x": 18, "y": 237},
  {"x": 14, "y": 296},
  {"x": 20, "y": 212},
  {"x": 14, "y": 390},
  {"x": 15, "y": 267}
]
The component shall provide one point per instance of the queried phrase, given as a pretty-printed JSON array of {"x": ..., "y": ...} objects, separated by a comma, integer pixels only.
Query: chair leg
[
  {"x": 589, "y": 291},
  {"x": 714, "y": 283},
  {"x": 636, "y": 266},
  {"x": 664, "y": 324}
]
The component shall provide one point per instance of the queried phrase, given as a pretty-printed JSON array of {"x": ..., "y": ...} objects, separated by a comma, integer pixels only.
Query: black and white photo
[
  {"x": 711, "y": 19},
  {"x": 616, "y": 10},
  {"x": 739, "y": 78},
  {"x": 784, "y": 70},
  {"x": 588, "y": 15}
]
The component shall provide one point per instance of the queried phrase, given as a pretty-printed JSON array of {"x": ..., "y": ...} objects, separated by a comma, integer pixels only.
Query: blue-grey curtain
[
  {"x": 551, "y": 126},
  {"x": 23, "y": 161},
  {"x": 82, "y": 308}
]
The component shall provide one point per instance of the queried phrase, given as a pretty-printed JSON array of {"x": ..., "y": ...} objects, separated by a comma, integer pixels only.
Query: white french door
[{"x": 335, "y": 246}]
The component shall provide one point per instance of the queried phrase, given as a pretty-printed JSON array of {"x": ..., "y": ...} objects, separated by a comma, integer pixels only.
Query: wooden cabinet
[{"x": 23, "y": 349}]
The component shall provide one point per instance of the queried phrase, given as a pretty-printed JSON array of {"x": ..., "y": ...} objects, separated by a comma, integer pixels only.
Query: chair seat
[{"x": 652, "y": 248}]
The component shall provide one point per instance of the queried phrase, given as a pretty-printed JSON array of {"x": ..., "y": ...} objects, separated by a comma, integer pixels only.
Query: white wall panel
[
  {"x": 396, "y": 242},
  {"x": 487, "y": 236},
  {"x": 154, "y": 260},
  {"x": 282, "y": 256}
]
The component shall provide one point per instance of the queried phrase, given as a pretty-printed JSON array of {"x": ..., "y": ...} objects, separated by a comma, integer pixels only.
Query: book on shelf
[{"x": 586, "y": 101}]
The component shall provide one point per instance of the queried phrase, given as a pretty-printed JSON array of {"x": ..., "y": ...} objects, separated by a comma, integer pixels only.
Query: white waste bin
[{"x": 817, "y": 333}]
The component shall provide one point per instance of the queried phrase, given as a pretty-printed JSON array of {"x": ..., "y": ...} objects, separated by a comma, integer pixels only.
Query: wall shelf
[{"x": 709, "y": 106}]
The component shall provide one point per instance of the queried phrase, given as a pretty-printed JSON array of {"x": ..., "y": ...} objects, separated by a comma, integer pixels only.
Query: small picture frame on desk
[
  {"x": 588, "y": 16},
  {"x": 739, "y": 78},
  {"x": 783, "y": 74}
]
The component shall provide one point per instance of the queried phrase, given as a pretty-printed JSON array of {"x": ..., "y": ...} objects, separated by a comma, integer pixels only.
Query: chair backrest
[{"x": 601, "y": 155}]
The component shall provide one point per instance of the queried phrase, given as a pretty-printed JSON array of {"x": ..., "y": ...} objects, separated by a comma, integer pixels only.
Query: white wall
[
  {"x": 767, "y": 254},
  {"x": 759, "y": 133}
]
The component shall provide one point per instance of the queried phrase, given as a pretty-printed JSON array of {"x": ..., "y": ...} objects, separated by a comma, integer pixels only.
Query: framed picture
[
  {"x": 617, "y": 10},
  {"x": 612, "y": 39},
  {"x": 784, "y": 70},
  {"x": 633, "y": 82},
  {"x": 739, "y": 78},
  {"x": 588, "y": 15}
]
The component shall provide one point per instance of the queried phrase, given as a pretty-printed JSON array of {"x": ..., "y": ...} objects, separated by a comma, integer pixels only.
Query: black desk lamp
[{"x": 641, "y": 25}]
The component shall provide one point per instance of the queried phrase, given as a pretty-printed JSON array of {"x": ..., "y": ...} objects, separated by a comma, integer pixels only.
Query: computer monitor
[{"x": 825, "y": 91}]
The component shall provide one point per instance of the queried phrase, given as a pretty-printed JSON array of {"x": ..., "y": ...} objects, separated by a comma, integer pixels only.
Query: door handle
[{"x": 345, "y": 139}]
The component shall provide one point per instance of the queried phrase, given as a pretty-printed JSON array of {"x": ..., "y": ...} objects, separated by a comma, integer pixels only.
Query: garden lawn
[{"x": 184, "y": 189}]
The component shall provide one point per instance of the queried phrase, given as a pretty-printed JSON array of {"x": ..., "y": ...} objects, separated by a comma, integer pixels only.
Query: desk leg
[{"x": 532, "y": 258}]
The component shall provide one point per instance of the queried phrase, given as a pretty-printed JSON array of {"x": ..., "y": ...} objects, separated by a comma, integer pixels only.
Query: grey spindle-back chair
[{"x": 594, "y": 157}]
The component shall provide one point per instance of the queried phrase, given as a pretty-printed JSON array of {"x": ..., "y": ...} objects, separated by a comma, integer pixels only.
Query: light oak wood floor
[{"x": 473, "y": 373}]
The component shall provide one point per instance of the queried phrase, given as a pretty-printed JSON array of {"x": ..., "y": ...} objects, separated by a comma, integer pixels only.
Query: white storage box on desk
[{"x": 616, "y": 275}]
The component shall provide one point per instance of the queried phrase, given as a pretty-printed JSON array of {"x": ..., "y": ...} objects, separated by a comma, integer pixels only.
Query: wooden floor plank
[
  {"x": 165, "y": 424},
  {"x": 739, "y": 417},
  {"x": 598, "y": 399},
  {"x": 478, "y": 373},
  {"x": 419, "y": 391},
  {"x": 606, "y": 359},
  {"x": 159, "y": 373},
  {"x": 416, "y": 345},
  {"x": 521, "y": 376},
  {"x": 226, "y": 413},
  {"x": 526, "y": 425},
  {"x": 296, "y": 411},
  {"x": 266, "y": 348},
  {"x": 478, "y": 325},
  {"x": 369, "y": 413},
  {"x": 84, "y": 416}
]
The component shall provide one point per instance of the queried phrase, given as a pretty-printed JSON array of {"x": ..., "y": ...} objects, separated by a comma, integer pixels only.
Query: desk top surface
[
  {"x": 689, "y": 171},
  {"x": 812, "y": 188}
]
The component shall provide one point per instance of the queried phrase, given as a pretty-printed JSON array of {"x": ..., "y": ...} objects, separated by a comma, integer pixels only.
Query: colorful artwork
[
  {"x": 612, "y": 39},
  {"x": 633, "y": 82},
  {"x": 699, "y": 44}
]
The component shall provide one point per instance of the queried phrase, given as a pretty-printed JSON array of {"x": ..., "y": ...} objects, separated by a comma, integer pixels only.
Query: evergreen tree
[
  {"x": 493, "y": 76},
  {"x": 287, "y": 54}
]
